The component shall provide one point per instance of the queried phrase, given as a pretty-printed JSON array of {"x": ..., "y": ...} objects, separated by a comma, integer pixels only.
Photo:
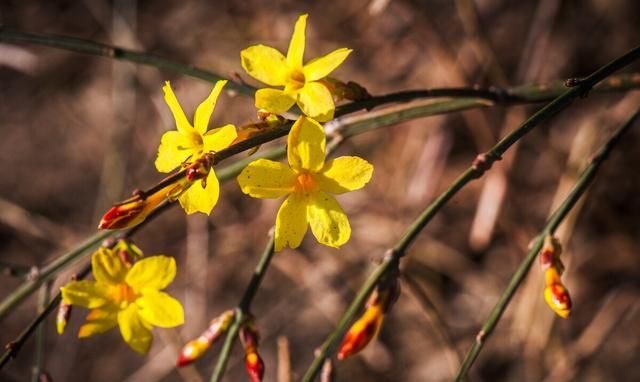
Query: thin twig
[
  {"x": 243, "y": 310},
  {"x": 552, "y": 224},
  {"x": 41, "y": 331},
  {"x": 14, "y": 346},
  {"x": 580, "y": 87},
  {"x": 83, "y": 46}
]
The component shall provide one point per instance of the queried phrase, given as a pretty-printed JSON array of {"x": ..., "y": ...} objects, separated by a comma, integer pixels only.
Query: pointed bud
[
  {"x": 253, "y": 363},
  {"x": 550, "y": 254},
  {"x": 195, "y": 349},
  {"x": 62, "y": 317},
  {"x": 362, "y": 331},
  {"x": 133, "y": 211}
]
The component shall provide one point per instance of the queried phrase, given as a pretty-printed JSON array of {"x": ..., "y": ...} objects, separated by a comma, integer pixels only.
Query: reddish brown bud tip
[
  {"x": 558, "y": 298},
  {"x": 361, "y": 332}
]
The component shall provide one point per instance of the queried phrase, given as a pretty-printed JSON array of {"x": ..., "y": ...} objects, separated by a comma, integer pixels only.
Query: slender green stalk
[
  {"x": 79, "y": 45},
  {"x": 48, "y": 272},
  {"x": 585, "y": 179},
  {"x": 14, "y": 346},
  {"x": 480, "y": 165},
  {"x": 243, "y": 310},
  {"x": 43, "y": 301}
]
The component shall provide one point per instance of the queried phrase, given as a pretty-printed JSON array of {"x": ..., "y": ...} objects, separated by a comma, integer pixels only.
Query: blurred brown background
[{"x": 80, "y": 132}]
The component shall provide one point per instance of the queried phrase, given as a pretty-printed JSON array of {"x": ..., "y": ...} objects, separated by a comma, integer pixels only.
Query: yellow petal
[
  {"x": 219, "y": 139},
  {"x": 160, "y": 309},
  {"x": 320, "y": 67},
  {"x": 174, "y": 149},
  {"x": 84, "y": 293},
  {"x": 198, "y": 199},
  {"x": 265, "y": 64},
  {"x": 205, "y": 109},
  {"x": 291, "y": 222},
  {"x": 182, "y": 124},
  {"x": 154, "y": 272},
  {"x": 328, "y": 221},
  {"x": 295, "y": 53},
  {"x": 107, "y": 267},
  {"x": 316, "y": 101},
  {"x": 274, "y": 100},
  {"x": 98, "y": 321},
  {"x": 134, "y": 331},
  {"x": 265, "y": 178},
  {"x": 344, "y": 174},
  {"x": 306, "y": 145}
]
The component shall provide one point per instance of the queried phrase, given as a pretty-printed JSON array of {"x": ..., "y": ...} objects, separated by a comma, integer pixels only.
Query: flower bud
[
  {"x": 557, "y": 297},
  {"x": 550, "y": 254},
  {"x": 252, "y": 361},
  {"x": 195, "y": 349},
  {"x": 200, "y": 168},
  {"x": 362, "y": 331},
  {"x": 327, "y": 374},
  {"x": 62, "y": 317}
]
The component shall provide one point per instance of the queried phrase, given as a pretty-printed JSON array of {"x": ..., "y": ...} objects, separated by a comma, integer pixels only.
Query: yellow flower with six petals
[
  {"x": 189, "y": 143},
  {"x": 309, "y": 182},
  {"x": 130, "y": 297},
  {"x": 300, "y": 81}
]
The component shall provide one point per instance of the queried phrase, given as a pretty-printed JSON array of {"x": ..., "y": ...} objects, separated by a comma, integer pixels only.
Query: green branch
[
  {"x": 243, "y": 310},
  {"x": 83, "y": 46},
  {"x": 550, "y": 227},
  {"x": 481, "y": 164}
]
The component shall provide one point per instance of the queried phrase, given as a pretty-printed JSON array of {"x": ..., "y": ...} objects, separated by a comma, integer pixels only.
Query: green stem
[
  {"x": 14, "y": 346},
  {"x": 482, "y": 163},
  {"x": 243, "y": 310},
  {"x": 550, "y": 227},
  {"x": 79, "y": 45},
  {"x": 43, "y": 301},
  {"x": 48, "y": 272}
]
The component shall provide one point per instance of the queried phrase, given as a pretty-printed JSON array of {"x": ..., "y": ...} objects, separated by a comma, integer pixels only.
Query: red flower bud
[
  {"x": 362, "y": 331},
  {"x": 195, "y": 349},
  {"x": 557, "y": 297},
  {"x": 253, "y": 363}
]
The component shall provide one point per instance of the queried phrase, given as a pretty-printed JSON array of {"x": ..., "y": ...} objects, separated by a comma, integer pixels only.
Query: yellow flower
[
  {"x": 308, "y": 181},
  {"x": 301, "y": 82},
  {"x": 128, "y": 297},
  {"x": 189, "y": 143}
]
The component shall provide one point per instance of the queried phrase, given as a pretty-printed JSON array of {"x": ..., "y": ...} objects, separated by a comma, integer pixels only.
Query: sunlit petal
[
  {"x": 85, "y": 293},
  {"x": 274, "y": 100},
  {"x": 134, "y": 332},
  {"x": 205, "y": 109},
  {"x": 198, "y": 199},
  {"x": 320, "y": 67},
  {"x": 328, "y": 221},
  {"x": 98, "y": 321},
  {"x": 264, "y": 178},
  {"x": 182, "y": 124},
  {"x": 107, "y": 267},
  {"x": 295, "y": 54},
  {"x": 265, "y": 64},
  {"x": 306, "y": 145},
  {"x": 344, "y": 174},
  {"x": 291, "y": 222},
  {"x": 316, "y": 101},
  {"x": 220, "y": 138},
  {"x": 160, "y": 309},
  {"x": 152, "y": 273}
]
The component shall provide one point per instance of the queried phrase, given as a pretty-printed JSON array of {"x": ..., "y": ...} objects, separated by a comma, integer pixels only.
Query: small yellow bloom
[
  {"x": 128, "y": 297},
  {"x": 301, "y": 82},
  {"x": 309, "y": 182},
  {"x": 189, "y": 143}
]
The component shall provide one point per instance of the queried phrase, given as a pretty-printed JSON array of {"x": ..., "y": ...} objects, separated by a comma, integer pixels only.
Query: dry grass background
[{"x": 78, "y": 133}]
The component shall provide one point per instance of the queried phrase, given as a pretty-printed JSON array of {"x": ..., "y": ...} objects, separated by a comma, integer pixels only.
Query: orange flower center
[
  {"x": 297, "y": 79},
  {"x": 305, "y": 183},
  {"x": 123, "y": 295}
]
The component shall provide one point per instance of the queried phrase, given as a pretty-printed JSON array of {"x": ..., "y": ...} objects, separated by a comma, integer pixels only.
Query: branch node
[
  {"x": 480, "y": 337},
  {"x": 483, "y": 162},
  {"x": 34, "y": 273}
]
